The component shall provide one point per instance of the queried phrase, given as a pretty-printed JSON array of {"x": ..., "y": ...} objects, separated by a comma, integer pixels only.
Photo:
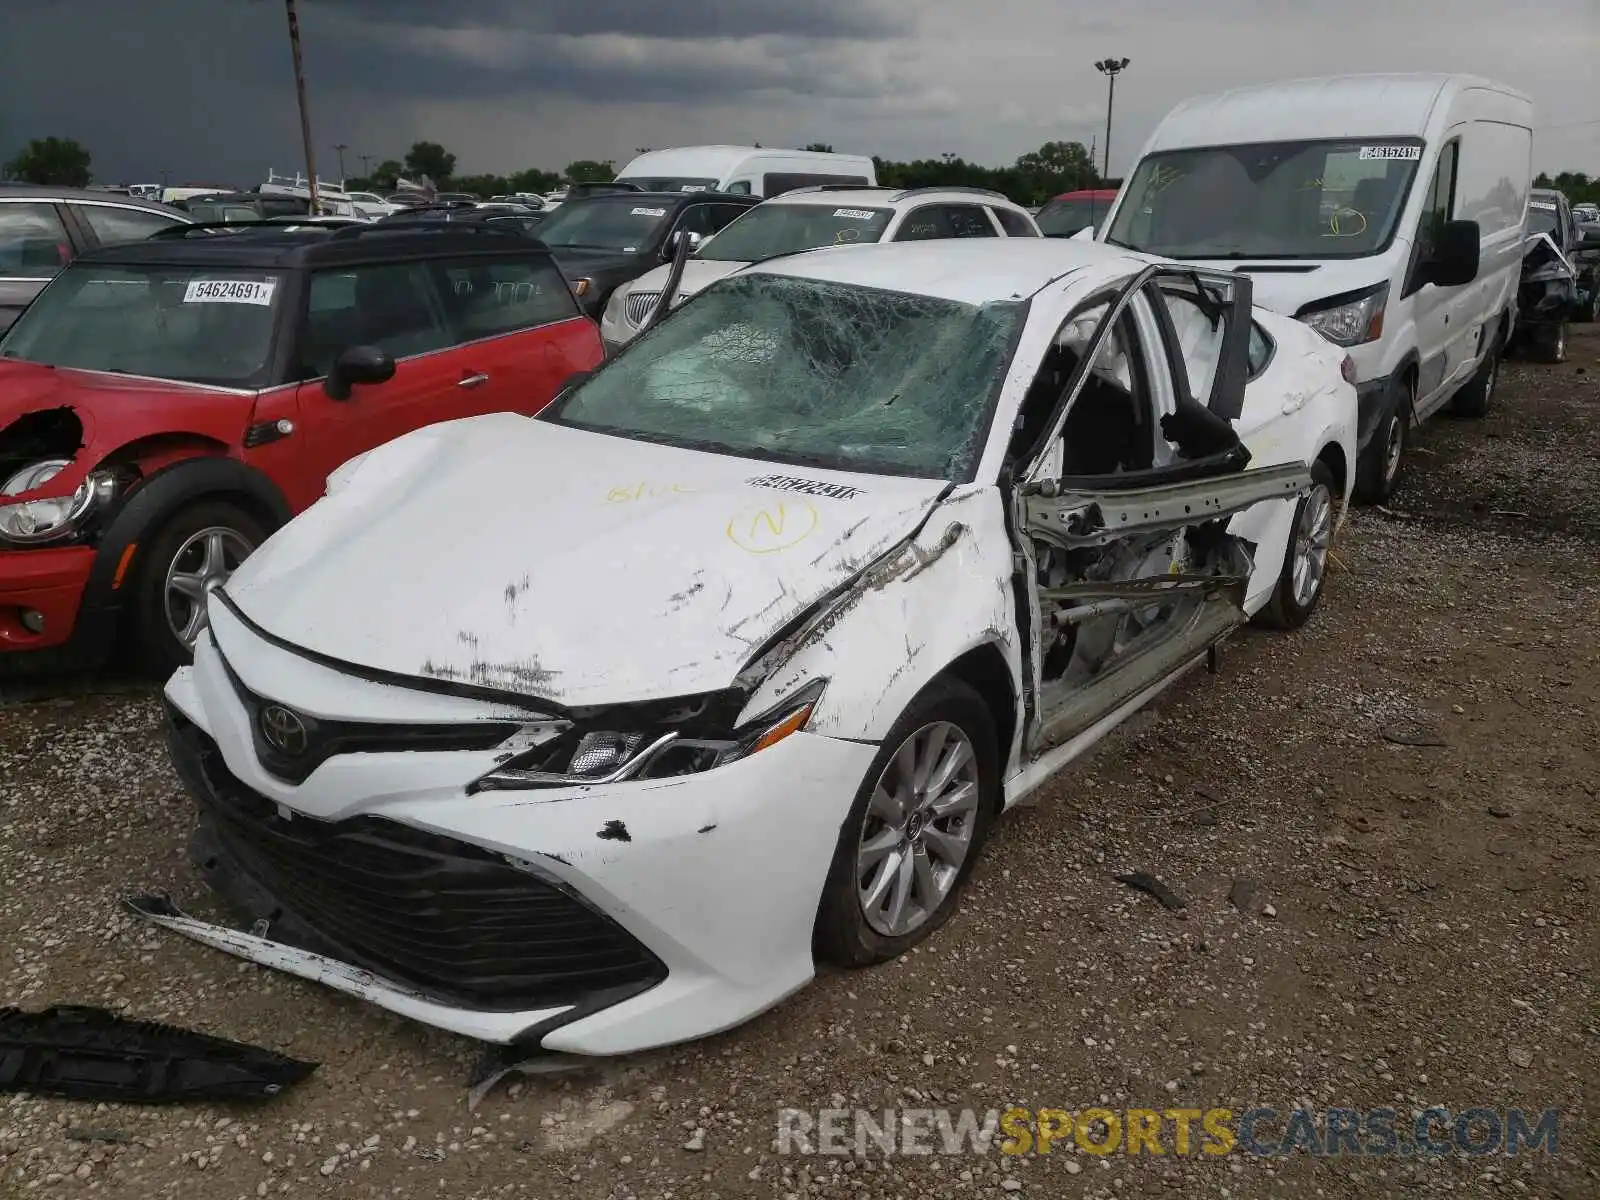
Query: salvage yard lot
[{"x": 1423, "y": 928}]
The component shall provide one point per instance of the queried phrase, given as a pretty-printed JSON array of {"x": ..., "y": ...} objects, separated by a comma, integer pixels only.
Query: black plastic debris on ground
[
  {"x": 92, "y": 1054},
  {"x": 1145, "y": 882}
]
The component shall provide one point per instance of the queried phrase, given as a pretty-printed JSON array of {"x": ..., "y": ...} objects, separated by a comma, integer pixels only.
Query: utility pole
[
  {"x": 1110, "y": 68},
  {"x": 339, "y": 150},
  {"x": 305, "y": 111},
  {"x": 366, "y": 165}
]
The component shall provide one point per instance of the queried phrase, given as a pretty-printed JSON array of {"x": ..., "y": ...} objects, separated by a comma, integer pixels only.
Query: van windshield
[
  {"x": 1309, "y": 199},
  {"x": 670, "y": 183}
]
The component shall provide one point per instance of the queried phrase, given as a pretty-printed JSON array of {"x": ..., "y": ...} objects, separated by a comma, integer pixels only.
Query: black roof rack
[
  {"x": 178, "y": 232},
  {"x": 969, "y": 191},
  {"x": 401, "y": 228},
  {"x": 838, "y": 187}
]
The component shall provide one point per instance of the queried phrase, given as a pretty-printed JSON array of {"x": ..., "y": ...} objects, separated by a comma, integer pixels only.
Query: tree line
[{"x": 1053, "y": 168}]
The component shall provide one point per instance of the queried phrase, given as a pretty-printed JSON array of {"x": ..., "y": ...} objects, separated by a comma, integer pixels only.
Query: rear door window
[
  {"x": 1014, "y": 223},
  {"x": 969, "y": 221},
  {"x": 110, "y": 224},
  {"x": 487, "y": 298},
  {"x": 927, "y": 223},
  {"x": 33, "y": 241}
]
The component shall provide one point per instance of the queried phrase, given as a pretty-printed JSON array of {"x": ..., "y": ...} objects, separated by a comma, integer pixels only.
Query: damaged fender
[{"x": 945, "y": 593}]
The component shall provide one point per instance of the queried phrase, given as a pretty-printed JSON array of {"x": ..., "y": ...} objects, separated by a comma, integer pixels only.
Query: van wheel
[
  {"x": 196, "y": 550},
  {"x": 915, "y": 830},
  {"x": 1474, "y": 399},
  {"x": 1379, "y": 468}
]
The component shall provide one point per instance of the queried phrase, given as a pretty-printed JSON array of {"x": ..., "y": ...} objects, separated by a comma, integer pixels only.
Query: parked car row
[{"x": 881, "y": 510}]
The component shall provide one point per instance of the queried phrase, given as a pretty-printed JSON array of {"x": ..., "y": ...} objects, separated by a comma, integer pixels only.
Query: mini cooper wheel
[
  {"x": 915, "y": 831},
  {"x": 1305, "y": 558},
  {"x": 194, "y": 552}
]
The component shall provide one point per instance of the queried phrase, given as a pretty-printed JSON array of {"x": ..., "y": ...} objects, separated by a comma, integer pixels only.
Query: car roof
[
  {"x": 266, "y": 245},
  {"x": 970, "y": 271},
  {"x": 1088, "y": 194},
  {"x": 848, "y": 194},
  {"x": 31, "y": 191}
]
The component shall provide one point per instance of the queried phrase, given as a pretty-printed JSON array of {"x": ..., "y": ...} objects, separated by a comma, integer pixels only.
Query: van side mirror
[
  {"x": 1454, "y": 261},
  {"x": 357, "y": 364}
]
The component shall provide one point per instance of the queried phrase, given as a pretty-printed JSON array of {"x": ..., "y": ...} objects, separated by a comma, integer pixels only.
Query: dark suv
[
  {"x": 42, "y": 229},
  {"x": 608, "y": 238},
  {"x": 1560, "y": 280},
  {"x": 166, "y": 404}
]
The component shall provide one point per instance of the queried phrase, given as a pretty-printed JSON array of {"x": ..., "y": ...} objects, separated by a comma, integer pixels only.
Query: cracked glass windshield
[
  {"x": 769, "y": 230},
  {"x": 1323, "y": 199},
  {"x": 800, "y": 371}
]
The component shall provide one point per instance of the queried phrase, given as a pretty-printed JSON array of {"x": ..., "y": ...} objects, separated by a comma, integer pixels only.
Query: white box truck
[{"x": 1386, "y": 211}]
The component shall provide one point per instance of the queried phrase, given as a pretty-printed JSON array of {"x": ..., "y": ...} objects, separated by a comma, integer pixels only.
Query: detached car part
[{"x": 92, "y": 1054}]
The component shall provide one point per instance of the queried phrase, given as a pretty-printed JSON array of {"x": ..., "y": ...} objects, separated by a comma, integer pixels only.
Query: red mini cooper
[{"x": 166, "y": 404}]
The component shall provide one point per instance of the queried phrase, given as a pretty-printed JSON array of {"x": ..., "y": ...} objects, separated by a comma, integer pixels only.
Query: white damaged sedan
[{"x": 594, "y": 731}]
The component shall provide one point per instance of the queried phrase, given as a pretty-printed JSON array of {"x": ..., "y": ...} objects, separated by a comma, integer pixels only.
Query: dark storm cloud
[{"x": 673, "y": 19}]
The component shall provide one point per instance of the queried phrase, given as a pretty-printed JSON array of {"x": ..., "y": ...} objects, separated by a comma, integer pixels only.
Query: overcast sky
[{"x": 203, "y": 89}]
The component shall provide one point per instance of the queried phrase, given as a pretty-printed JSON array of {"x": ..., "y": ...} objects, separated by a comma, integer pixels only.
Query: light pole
[
  {"x": 1110, "y": 68},
  {"x": 305, "y": 111},
  {"x": 339, "y": 150},
  {"x": 366, "y": 165}
]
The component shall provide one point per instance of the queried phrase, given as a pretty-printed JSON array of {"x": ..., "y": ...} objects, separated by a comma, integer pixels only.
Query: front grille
[
  {"x": 447, "y": 918},
  {"x": 324, "y": 738},
  {"x": 640, "y": 306}
]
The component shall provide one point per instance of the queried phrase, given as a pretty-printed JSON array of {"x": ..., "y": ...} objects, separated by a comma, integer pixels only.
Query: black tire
[
  {"x": 1380, "y": 467},
  {"x": 157, "y": 644},
  {"x": 1550, "y": 343},
  {"x": 1284, "y": 610},
  {"x": 1475, "y": 399},
  {"x": 842, "y": 934}
]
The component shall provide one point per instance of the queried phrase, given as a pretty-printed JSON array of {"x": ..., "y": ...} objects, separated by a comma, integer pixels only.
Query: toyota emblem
[{"x": 283, "y": 729}]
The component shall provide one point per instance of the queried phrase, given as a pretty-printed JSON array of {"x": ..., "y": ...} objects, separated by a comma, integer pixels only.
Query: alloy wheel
[
  {"x": 203, "y": 562},
  {"x": 918, "y": 829},
  {"x": 1312, "y": 534}
]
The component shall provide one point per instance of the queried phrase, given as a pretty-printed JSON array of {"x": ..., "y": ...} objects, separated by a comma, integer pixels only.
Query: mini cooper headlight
[
  {"x": 33, "y": 521},
  {"x": 616, "y": 755}
]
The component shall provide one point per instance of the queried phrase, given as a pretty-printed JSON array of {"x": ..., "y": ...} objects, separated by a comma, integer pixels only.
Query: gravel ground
[{"x": 1422, "y": 929}]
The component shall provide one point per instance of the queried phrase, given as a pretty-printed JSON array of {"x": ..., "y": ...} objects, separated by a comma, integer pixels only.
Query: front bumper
[
  {"x": 693, "y": 898},
  {"x": 46, "y": 580}
]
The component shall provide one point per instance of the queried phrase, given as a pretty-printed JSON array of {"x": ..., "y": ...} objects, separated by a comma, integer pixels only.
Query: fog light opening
[{"x": 33, "y": 620}]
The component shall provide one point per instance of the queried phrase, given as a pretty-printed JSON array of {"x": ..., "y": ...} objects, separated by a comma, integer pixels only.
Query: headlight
[
  {"x": 34, "y": 521},
  {"x": 614, "y": 755},
  {"x": 617, "y": 308},
  {"x": 1352, "y": 322}
]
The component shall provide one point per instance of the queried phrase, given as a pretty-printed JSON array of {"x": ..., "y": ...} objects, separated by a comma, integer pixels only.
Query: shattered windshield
[
  {"x": 802, "y": 371},
  {"x": 618, "y": 221},
  {"x": 203, "y": 325},
  {"x": 769, "y": 230},
  {"x": 1322, "y": 199}
]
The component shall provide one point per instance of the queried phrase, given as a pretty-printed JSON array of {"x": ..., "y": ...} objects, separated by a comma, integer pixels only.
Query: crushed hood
[{"x": 570, "y": 566}]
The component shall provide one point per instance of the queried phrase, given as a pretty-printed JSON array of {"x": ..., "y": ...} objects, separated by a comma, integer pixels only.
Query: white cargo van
[
  {"x": 1386, "y": 211},
  {"x": 747, "y": 170}
]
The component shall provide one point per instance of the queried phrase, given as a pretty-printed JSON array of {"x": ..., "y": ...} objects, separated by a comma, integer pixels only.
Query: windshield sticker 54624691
[
  {"x": 809, "y": 487},
  {"x": 230, "y": 291},
  {"x": 1402, "y": 153},
  {"x": 649, "y": 212},
  {"x": 854, "y": 214}
]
